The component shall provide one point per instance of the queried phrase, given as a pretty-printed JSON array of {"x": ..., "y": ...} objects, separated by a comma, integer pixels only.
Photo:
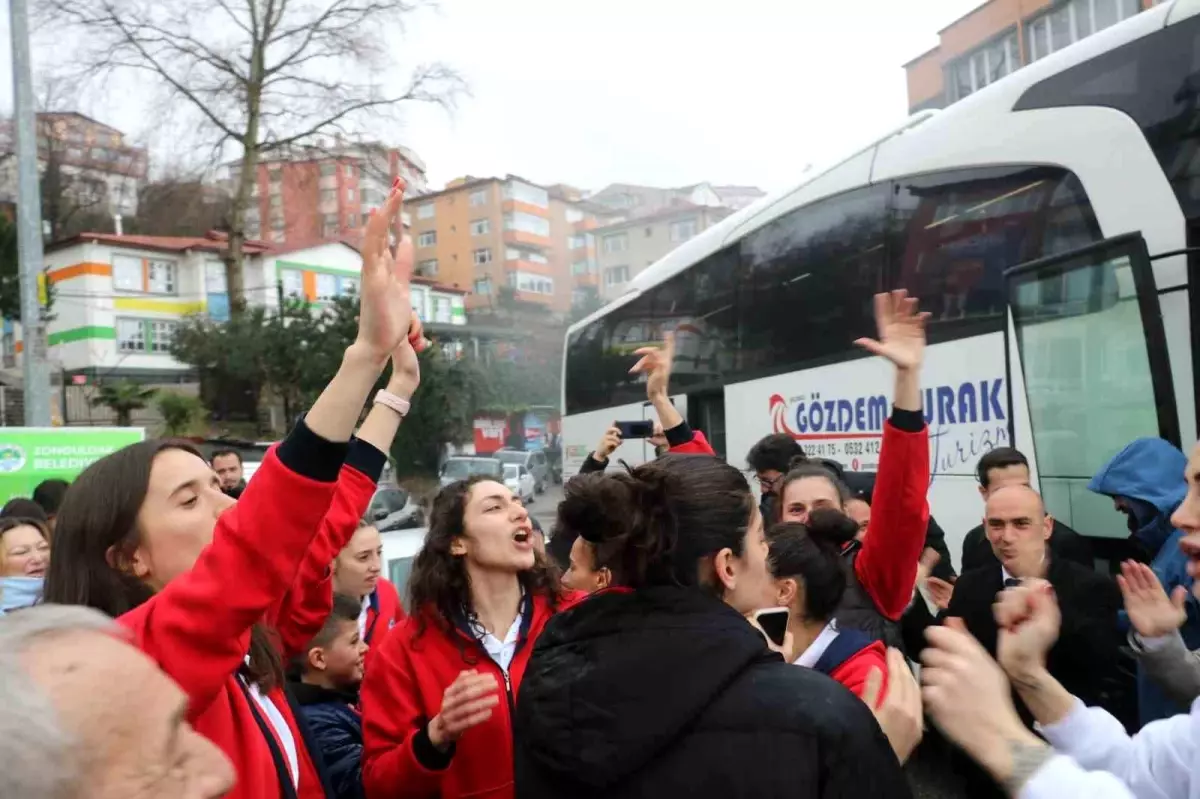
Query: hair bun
[
  {"x": 595, "y": 506},
  {"x": 830, "y": 527}
]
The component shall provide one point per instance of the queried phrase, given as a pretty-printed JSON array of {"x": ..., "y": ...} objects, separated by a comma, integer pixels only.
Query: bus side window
[
  {"x": 952, "y": 235},
  {"x": 807, "y": 282}
]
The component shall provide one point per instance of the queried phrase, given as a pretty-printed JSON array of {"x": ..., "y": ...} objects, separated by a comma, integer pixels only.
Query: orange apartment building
[
  {"x": 479, "y": 234},
  {"x": 318, "y": 194},
  {"x": 1000, "y": 37}
]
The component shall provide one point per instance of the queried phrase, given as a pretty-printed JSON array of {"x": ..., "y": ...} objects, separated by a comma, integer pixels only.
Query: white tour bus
[{"x": 1045, "y": 221}]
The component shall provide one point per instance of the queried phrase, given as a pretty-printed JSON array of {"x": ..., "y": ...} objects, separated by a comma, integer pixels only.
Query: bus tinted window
[
  {"x": 1155, "y": 80},
  {"x": 953, "y": 234},
  {"x": 807, "y": 281},
  {"x": 700, "y": 305},
  {"x": 599, "y": 357}
]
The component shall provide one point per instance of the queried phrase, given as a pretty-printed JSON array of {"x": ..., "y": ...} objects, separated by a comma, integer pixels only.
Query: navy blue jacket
[{"x": 337, "y": 729}]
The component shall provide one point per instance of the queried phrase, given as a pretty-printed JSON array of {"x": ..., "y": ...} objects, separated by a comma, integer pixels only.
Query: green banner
[{"x": 29, "y": 455}]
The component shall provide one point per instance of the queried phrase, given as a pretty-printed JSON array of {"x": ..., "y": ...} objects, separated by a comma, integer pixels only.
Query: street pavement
[{"x": 545, "y": 506}]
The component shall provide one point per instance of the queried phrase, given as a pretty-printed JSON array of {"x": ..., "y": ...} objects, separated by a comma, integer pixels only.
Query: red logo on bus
[{"x": 779, "y": 409}]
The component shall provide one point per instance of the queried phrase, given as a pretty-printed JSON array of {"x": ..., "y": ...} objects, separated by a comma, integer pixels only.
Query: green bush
[{"x": 180, "y": 412}]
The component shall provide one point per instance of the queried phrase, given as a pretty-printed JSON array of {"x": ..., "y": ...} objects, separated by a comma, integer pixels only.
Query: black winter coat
[{"x": 669, "y": 692}]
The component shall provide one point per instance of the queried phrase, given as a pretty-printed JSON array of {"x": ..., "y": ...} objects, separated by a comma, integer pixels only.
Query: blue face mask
[{"x": 19, "y": 592}]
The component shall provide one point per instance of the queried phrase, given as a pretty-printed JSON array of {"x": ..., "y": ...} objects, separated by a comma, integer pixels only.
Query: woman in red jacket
[
  {"x": 806, "y": 562},
  {"x": 439, "y": 693},
  {"x": 885, "y": 567},
  {"x": 357, "y": 572},
  {"x": 146, "y": 534}
]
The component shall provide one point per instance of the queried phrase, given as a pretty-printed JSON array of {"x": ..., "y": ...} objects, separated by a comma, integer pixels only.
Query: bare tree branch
[{"x": 262, "y": 75}]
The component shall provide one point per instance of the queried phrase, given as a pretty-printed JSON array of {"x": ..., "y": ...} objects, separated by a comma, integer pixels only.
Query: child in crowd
[{"x": 330, "y": 672}]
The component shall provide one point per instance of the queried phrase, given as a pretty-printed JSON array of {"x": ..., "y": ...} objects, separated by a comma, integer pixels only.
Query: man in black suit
[
  {"x": 1086, "y": 657},
  {"x": 1002, "y": 467}
]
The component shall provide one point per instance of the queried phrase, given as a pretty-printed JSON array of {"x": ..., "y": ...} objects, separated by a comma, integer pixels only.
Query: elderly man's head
[{"x": 84, "y": 713}]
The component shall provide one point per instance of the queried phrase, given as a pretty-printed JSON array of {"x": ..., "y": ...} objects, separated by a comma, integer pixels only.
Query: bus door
[{"x": 1087, "y": 373}]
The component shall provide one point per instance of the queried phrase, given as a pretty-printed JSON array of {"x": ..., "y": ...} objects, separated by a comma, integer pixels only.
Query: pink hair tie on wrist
[{"x": 389, "y": 400}]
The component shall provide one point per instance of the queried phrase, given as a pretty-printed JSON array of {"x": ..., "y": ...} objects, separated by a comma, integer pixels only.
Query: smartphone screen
[
  {"x": 639, "y": 429},
  {"x": 774, "y": 623}
]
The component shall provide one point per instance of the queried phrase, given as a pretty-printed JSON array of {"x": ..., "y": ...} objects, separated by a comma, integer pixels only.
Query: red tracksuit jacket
[
  {"x": 302, "y": 612},
  {"x": 384, "y": 612},
  {"x": 403, "y": 690},
  {"x": 886, "y": 567},
  {"x": 854, "y": 671},
  {"x": 198, "y": 628}
]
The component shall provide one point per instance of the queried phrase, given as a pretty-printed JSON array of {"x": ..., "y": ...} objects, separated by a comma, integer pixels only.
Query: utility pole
[{"x": 29, "y": 223}]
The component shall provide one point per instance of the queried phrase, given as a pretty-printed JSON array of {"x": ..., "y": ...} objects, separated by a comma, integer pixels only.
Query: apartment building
[
  {"x": 628, "y": 199},
  {"x": 481, "y": 234},
  {"x": 322, "y": 193},
  {"x": 100, "y": 168},
  {"x": 573, "y": 218},
  {"x": 1000, "y": 37},
  {"x": 120, "y": 299},
  {"x": 626, "y": 247}
]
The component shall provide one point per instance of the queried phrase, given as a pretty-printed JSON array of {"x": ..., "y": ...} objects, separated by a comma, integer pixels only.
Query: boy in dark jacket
[{"x": 330, "y": 673}]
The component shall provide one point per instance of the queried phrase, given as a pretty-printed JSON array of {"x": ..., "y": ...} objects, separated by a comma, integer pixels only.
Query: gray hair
[{"x": 36, "y": 760}]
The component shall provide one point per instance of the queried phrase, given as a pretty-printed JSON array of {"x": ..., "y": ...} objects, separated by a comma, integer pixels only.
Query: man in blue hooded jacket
[{"x": 1146, "y": 482}]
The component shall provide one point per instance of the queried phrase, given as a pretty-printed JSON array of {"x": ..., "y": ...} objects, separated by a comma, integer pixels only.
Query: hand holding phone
[{"x": 638, "y": 429}]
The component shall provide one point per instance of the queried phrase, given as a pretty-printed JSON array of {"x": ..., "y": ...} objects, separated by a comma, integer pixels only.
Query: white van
[{"x": 400, "y": 547}]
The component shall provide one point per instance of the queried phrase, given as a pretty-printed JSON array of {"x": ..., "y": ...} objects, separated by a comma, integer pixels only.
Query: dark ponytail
[
  {"x": 651, "y": 525},
  {"x": 812, "y": 554}
]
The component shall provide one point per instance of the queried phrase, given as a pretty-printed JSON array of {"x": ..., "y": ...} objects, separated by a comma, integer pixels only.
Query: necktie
[{"x": 1012, "y": 582}]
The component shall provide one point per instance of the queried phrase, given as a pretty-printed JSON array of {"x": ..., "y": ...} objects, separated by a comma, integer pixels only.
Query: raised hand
[
  {"x": 1028, "y": 621},
  {"x": 899, "y": 712},
  {"x": 966, "y": 693},
  {"x": 385, "y": 307},
  {"x": 608, "y": 443},
  {"x": 937, "y": 589},
  {"x": 901, "y": 330},
  {"x": 1151, "y": 612},
  {"x": 466, "y": 703},
  {"x": 655, "y": 363},
  {"x": 406, "y": 369},
  {"x": 940, "y": 591}
]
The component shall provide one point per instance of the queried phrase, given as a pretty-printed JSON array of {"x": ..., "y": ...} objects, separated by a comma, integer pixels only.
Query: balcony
[
  {"x": 522, "y": 265},
  {"x": 527, "y": 239},
  {"x": 516, "y": 206},
  {"x": 531, "y": 296}
]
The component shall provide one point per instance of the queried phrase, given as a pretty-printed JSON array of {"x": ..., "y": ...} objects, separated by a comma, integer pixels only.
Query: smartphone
[
  {"x": 642, "y": 429},
  {"x": 773, "y": 622}
]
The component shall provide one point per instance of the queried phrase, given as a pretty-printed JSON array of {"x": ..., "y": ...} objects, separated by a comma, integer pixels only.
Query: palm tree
[{"x": 123, "y": 399}]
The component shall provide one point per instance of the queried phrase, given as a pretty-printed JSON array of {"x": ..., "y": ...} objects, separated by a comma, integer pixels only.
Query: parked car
[
  {"x": 460, "y": 467},
  {"x": 520, "y": 482},
  {"x": 393, "y": 508},
  {"x": 535, "y": 462},
  {"x": 400, "y": 547}
]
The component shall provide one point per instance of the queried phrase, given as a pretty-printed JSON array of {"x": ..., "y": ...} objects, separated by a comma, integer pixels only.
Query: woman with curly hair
[{"x": 439, "y": 695}]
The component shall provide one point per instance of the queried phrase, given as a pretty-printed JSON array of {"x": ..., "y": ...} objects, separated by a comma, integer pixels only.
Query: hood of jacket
[
  {"x": 1149, "y": 471},
  {"x": 619, "y": 677}
]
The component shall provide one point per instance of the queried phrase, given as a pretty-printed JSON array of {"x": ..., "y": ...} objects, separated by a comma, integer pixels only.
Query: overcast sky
[{"x": 659, "y": 92}]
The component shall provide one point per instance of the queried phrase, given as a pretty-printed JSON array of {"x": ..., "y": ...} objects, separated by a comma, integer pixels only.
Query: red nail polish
[{"x": 396, "y": 184}]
